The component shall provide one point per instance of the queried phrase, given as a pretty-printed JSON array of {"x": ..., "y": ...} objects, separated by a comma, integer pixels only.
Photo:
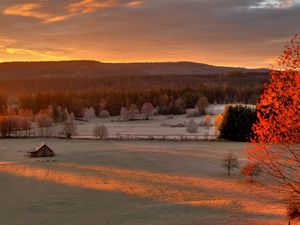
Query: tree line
[{"x": 170, "y": 94}]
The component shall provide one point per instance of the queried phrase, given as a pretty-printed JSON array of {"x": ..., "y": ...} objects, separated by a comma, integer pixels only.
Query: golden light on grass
[{"x": 179, "y": 189}]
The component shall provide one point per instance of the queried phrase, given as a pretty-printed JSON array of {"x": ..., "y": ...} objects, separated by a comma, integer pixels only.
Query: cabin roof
[{"x": 40, "y": 147}]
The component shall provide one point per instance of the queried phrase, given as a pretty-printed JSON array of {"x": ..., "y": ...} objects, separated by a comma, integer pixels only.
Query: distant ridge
[{"x": 96, "y": 69}]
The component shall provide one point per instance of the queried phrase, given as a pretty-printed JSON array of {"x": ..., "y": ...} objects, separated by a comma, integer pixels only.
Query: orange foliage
[
  {"x": 250, "y": 170},
  {"x": 279, "y": 107},
  {"x": 219, "y": 120},
  {"x": 277, "y": 132}
]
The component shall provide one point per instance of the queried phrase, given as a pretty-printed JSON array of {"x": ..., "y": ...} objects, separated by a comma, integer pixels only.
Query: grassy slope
[{"x": 130, "y": 183}]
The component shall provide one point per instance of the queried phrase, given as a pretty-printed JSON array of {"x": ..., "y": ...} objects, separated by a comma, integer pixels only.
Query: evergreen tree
[{"x": 237, "y": 123}]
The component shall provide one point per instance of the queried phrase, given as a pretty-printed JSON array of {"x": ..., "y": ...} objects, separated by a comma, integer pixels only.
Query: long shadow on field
[{"x": 197, "y": 191}]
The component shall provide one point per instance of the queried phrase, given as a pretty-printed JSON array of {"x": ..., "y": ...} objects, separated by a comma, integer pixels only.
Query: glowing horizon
[{"x": 157, "y": 61}]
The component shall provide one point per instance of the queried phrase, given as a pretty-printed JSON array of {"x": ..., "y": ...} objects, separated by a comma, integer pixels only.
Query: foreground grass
[{"x": 130, "y": 183}]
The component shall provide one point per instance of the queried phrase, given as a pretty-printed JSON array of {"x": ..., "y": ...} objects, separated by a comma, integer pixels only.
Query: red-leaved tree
[{"x": 277, "y": 133}]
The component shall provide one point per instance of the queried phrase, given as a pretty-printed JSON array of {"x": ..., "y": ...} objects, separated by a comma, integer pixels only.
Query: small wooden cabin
[{"x": 42, "y": 151}]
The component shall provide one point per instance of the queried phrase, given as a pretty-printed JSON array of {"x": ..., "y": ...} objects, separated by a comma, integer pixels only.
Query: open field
[
  {"x": 170, "y": 127},
  {"x": 154, "y": 126},
  {"x": 158, "y": 126},
  {"x": 129, "y": 183}
]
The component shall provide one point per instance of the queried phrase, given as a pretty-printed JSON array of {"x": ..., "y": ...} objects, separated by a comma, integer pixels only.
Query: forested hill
[{"x": 96, "y": 69}]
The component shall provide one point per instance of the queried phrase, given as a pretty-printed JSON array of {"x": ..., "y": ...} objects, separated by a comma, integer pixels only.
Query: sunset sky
[{"x": 248, "y": 33}]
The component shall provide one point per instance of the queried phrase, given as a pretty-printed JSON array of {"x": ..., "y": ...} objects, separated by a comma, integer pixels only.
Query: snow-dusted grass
[
  {"x": 129, "y": 183},
  {"x": 154, "y": 126},
  {"x": 158, "y": 126}
]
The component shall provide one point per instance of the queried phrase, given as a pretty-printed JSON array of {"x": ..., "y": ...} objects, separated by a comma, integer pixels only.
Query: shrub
[
  {"x": 251, "y": 169},
  {"x": 104, "y": 114}
]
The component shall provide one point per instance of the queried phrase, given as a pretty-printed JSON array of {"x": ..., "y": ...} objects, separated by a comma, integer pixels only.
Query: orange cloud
[
  {"x": 135, "y": 3},
  {"x": 32, "y": 10},
  {"x": 87, "y": 6},
  {"x": 26, "y": 10},
  {"x": 57, "y": 19},
  {"x": 84, "y": 6},
  {"x": 4, "y": 42}
]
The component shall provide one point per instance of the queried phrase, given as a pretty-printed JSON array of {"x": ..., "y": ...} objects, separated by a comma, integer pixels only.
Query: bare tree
[
  {"x": 8, "y": 124},
  {"x": 155, "y": 111},
  {"x": 102, "y": 105},
  {"x": 132, "y": 112},
  {"x": 65, "y": 115},
  {"x": 147, "y": 109},
  {"x": 201, "y": 104},
  {"x": 89, "y": 114},
  {"x": 101, "y": 132},
  {"x": 59, "y": 114},
  {"x": 192, "y": 126},
  {"x": 123, "y": 113},
  {"x": 230, "y": 162},
  {"x": 69, "y": 128},
  {"x": 44, "y": 123},
  {"x": 24, "y": 125},
  {"x": 129, "y": 114},
  {"x": 180, "y": 104}
]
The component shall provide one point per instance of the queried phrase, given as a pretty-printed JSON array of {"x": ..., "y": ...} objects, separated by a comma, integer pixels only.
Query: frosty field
[
  {"x": 157, "y": 127},
  {"x": 91, "y": 182},
  {"x": 144, "y": 128}
]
